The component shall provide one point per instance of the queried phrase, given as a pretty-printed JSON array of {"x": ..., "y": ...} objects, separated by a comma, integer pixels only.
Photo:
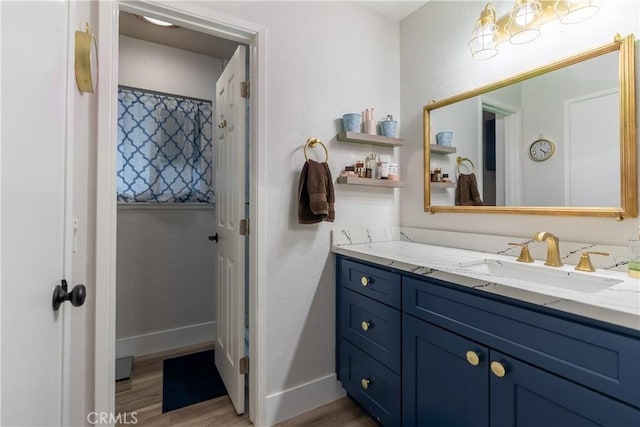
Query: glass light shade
[
  {"x": 573, "y": 11},
  {"x": 524, "y": 21},
  {"x": 155, "y": 21},
  {"x": 483, "y": 41}
]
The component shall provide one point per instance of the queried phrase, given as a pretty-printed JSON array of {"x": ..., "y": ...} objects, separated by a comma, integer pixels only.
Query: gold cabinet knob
[
  {"x": 473, "y": 358},
  {"x": 364, "y": 281},
  {"x": 365, "y": 382},
  {"x": 498, "y": 369},
  {"x": 365, "y": 325}
]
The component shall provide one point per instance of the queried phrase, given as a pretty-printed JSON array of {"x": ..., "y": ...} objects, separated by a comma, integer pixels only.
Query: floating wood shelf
[
  {"x": 364, "y": 138},
  {"x": 356, "y": 180},
  {"x": 437, "y": 185},
  {"x": 442, "y": 149}
]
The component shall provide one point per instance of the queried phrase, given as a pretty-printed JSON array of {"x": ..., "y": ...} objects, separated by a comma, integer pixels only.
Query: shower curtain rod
[{"x": 156, "y": 92}]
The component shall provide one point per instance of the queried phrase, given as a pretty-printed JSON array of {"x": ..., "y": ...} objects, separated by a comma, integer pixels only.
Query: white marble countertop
[{"x": 618, "y": 304}]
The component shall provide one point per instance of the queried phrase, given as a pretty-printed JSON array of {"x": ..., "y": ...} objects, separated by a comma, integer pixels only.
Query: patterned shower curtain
[{"x": 165, "y": 148}]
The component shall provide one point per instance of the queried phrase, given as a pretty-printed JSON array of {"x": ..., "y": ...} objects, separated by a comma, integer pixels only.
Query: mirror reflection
[{"x": 557, "y": 140}]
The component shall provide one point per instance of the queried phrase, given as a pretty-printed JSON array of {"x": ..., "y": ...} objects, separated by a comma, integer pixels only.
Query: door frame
[{"x": 197, "y": 18}]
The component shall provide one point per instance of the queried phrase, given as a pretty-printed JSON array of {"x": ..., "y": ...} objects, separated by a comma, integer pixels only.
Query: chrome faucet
[{"x": 553, "y": 247}]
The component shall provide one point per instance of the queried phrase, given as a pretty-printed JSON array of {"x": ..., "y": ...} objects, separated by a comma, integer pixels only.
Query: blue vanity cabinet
[
  {"x": 535, "y": 369},
  {"x": 530, "y": 397},
  {"x": 368, "y": 331},
  {"x": 446, "y": 355},
  {"x": 444, "y": 377}
]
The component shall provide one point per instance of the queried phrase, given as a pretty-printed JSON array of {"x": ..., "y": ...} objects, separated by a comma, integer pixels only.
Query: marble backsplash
[{"x": 570, "y": 252}]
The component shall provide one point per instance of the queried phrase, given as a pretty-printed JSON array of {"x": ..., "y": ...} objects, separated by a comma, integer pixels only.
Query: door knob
[
  {"x": 364, "y": 281},
  {"x": 215, "y": 237},
  {"x": 61, "y": 294},
  {"x": 365, "y": 383},
  {"x": 366, "y": 325}
]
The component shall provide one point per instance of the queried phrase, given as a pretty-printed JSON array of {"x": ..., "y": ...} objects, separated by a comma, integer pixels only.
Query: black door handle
[
  {"x": 61, "y": 294},
  {"x": 212, "y": 238}
]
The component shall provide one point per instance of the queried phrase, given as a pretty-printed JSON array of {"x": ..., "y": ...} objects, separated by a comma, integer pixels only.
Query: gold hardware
[
  {"x": 365, "y": 325},
  {"x": 312, "y": 142},
  {"x": 460, "y": 160},
  {"x": 244, "y": 227},
  {"x": 86, "y": 60},
  {"x": 553, "y": 248},
  {"x": 244, "y": 90},
  {"x": 364, "y": 281},
  {"x": 473, "y": 358},
  {"x": 243, "y": 365},
  {"x": 365, "y": 382},
  {"x": 223, "y": 124},
  {"x": 525, "y": 255},
  {"x": 498, "y": 369},
  {"x": 585, "y": 261}
]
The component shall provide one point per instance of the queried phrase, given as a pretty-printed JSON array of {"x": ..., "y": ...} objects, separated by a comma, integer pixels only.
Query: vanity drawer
[
  {"x": 594, "y": 357},
  {"x": 371, "y": 326},
  {"x": 376, "y": 283},
  {"x": 381, "y": 397}
]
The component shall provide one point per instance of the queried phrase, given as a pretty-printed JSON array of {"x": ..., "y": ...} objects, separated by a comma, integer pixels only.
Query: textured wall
[{"x": 436, "y": 63}]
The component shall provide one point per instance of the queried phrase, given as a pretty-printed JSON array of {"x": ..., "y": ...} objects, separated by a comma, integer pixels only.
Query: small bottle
[
  {"x": 445, "y": 177},
  {"x": 433, "y": 175},
  {"x": 372, "y": 165},
  {"x": 393, "y": 172},
  {"x": 360, "y": 168},
  {"x": 438, "y": 175}
]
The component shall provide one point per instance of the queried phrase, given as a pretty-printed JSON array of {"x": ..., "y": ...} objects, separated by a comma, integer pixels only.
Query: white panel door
[
  {"x": 230, "y": 207},
  {"x": 592, "y": 138},
  {"x": 35, "y": 40}
]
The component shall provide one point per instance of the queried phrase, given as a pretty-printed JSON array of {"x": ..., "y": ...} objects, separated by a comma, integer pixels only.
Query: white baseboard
[
  {"x": 297, "y": 400},
  {"x": 169, "y": 339}
]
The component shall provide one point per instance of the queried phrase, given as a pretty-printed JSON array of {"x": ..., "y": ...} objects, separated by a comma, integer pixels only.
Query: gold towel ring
[
  {"x": 460, "y": 160},
  {"x": 312, "y": 142}
]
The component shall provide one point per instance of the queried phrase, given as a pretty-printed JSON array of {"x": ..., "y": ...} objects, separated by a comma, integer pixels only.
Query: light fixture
[
  {"x": 483, "y": 43},
  {"x": 574, "y": 11},
  {"x": 524, "y": 21},
  {"x": 156, "y": 21},
  {"x": 522, "y": 24}
]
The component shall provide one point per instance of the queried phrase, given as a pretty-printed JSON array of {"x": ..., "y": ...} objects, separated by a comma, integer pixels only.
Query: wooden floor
[{"x": 142, "y": 395}]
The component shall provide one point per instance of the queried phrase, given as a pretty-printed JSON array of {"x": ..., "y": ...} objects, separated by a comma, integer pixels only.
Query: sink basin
[{"x": 526, "y": 275}]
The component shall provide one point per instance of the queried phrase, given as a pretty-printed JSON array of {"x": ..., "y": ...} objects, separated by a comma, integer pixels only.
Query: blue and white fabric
[{"x": 165, "y": 148}]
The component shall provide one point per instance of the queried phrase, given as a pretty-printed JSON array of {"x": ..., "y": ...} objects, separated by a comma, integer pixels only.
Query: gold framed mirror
[{"x": 557, "y": 140}]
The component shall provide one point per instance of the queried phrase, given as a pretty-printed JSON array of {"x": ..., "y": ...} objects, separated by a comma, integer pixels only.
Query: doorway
[{"x": 212, "y": 23}]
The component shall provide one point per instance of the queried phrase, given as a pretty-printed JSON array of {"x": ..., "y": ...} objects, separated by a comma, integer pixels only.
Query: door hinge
[
  {"x": 245, "y": 91},
  {"x": 244, "y": 365},
  {"x": 244, "y": 227}
]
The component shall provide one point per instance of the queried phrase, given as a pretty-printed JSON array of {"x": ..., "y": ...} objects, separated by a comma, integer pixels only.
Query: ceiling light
[
  {"x": 573, "y": 11},
  {"x": 522, "y": 24},
  {"x": 483, "y": 43},
  {"x": 156, "y": 21}
]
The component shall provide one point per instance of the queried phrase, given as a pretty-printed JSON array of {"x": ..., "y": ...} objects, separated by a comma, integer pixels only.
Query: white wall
[
  {"x": 323, "y": 60},
  {"x": 153, "y": 66},
  {"x": 165, "y": 268},
  {"x": 436, "y": 64}
]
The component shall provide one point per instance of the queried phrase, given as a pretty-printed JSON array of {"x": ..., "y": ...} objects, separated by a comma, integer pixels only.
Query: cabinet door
[
  {"x": 440, "y": 387},
  {"x": 529, "y": 397}
]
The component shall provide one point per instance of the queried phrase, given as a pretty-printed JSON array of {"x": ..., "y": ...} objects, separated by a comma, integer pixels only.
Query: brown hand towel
[
  {"x": 467, "y": 191},
  {"x": 315, "y": 193}
]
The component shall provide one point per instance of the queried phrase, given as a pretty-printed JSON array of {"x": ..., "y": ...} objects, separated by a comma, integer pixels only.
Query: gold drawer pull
[
  {"x": 364, "y": 281},
  {"x": 365, "y": 382},
  {"x": 366, "y": 325},
  {"x": 498, "y": 369},
  {"x": 473, "y": 358}
]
